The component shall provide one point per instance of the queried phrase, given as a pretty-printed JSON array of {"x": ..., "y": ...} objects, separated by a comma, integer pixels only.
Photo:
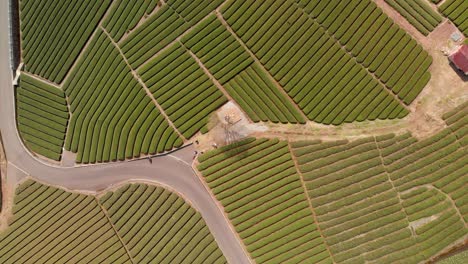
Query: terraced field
[
  {"x": 457, "y": 12},
  {"x": 418, "y": 13},
  {"x": 42, "y": 116},
  {"x": 51, "y": 225}
]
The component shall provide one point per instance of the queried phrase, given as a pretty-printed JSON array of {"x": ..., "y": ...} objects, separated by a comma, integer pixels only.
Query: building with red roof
[{"x": 460, "y": 59}]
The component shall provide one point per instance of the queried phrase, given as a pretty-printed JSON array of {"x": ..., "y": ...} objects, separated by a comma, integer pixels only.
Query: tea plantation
[
  {"x": 137, "y": 223},
  {"x": 144, "y": 77},
  {"x": 115, "y": 81}
]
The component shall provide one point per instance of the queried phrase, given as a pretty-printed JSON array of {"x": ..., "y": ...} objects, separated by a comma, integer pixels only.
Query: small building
[{"x": 460, "y": 58}]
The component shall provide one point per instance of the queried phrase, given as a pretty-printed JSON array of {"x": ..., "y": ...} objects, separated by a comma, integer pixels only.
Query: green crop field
[
  {"x": 376, "y": 42},
  {"x": 54, "y": 32},
  {"x": 42, "y": 116},
  {"x": 158, "y": 226},
  {"x": 51, "y": 225},
  {"x": 457, "y": 12},
  {"x": 184, "y": 91},
  {"x": 339, "y": 90},
  {"x": 125, "y": 15},
  {"x": 112, "y": 116},
  {"x": 187, "y": 58},
  {"x": 418, "y": 13},
  {"x": 260, "y": 190}
]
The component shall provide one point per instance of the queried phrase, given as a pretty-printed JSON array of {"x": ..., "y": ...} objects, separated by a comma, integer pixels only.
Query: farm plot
[
  {"x": 182, "y": 89},
  {"x": 376, "y": 43},
  {"x": 42, "y": 115},
  {"x": 217, "y": 49},
  {"x": 382, "y": 199},
  {"x": 418, "y": 13},
  {"x": 164, "y": 27},
  {"x": 439, "y": 160},
  {"x": 357, "y": 209},
  {"x": 54, "y": 33},
  {"x": 233, "y": 67},
  {"x": 124, "y": 15},
  {"x": 261, "y": 192},
  {"x": 326, "y": 82},
  {"x": 53, "y": 226},
  {"x": 457, "y": 12},
  {"x": 158, "y": 226},
  {"x": 256, "y": 93},
  {"x": 112, "y": 116}
]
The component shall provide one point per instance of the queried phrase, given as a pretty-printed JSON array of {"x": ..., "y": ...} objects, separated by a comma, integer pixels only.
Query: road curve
[{"x": 165, "y": 170}]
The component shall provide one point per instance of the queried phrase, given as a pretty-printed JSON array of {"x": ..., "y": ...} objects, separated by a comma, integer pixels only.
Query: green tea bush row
[
  {"x": 112, "y": 117},
  {"x": 274, "y": 29},
  {"x": 457, "y": 12},
  {"x": 42, "y": 116},
  {"x": 50, "y": 225},
  {"x": 123, "y": 16},
  {"x": 54, "y": 33},
  {"x": 182, "y": 89},
  {"x": 418, "y": 13},
  {"x": 377, "y": 42},
  {"x": 263, "y": 197},
  {"x": 159, "y": 226}
]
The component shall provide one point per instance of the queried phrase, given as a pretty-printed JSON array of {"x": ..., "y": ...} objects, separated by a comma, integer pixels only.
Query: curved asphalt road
[{"x": 165, "y": 170}]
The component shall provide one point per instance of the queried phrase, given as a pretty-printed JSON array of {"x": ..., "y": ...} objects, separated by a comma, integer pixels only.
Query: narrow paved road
[{"x": 167, "y": 170}]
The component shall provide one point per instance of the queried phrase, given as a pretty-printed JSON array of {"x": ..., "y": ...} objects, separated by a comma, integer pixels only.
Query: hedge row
[
  {"x": 457, "y": 12},
  {"x": 182, "y": 89},
  {"x": 112, "y": 117},
  {"x": 123, "y": 16},
  {"x": 376, "y": 42},
  {"x": 42, "y": 116},
  {"x": 158, "y": 226},
  {"x": 291, "y": 45},
  {"x": 262, "y": 195},
  {"x": 51, "y": 225},
  {"x": 54, "y": 33},
  {"x": 419, "y": 13}
]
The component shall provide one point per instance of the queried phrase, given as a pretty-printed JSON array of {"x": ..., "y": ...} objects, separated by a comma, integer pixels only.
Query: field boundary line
[
  {"x": 332, "y": 37},
  {"x": 256, "y": 60},
  {"x": 413, "y": 232},
  {"x": 140, "y": 81},
  {"x": 220, "y": 208},
  {"x": 301, "y": 178},
  {"x": 104, "y": 211}
]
